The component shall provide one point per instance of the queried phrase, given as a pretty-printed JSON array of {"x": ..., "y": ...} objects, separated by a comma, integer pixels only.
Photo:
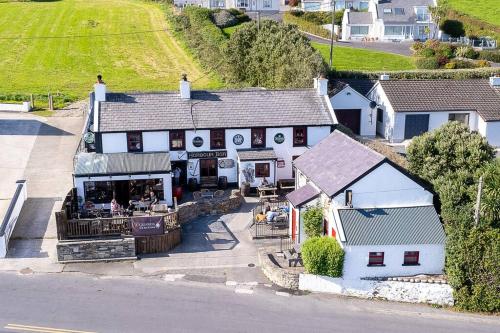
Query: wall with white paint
[
  {"x": 155, "y": 141},
  {"x": 114, "y": 142},
  {"x": 22, "y": 107},
  {"x": 12, "y": 215},
  {"x": 257, "y": 180},
  {"x": 490, "y": 130}
]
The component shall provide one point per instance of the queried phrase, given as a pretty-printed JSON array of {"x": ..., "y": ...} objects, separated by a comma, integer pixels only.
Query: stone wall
[
  {"x": 189, "y": 211},
  {"x": 278, "y": 275},
  {"x": 91, "y": 250}
]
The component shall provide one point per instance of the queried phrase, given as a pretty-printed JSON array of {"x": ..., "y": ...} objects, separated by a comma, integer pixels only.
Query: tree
[
  {"x": 273, "y": 55},
  {"x": 313, "y": 221}
]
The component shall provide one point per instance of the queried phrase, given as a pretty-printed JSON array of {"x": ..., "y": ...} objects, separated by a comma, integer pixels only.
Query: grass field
[
  {"x": 347, "y": 58},
  {"x": 485, "y": 10},
  {"x": 37, "y": 56}
]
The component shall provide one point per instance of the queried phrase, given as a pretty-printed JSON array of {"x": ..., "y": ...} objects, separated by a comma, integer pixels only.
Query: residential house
[
  {"x": 390, "y": 20},
  {"x": 407, "y": 108},
  {"x": 232, "y": 136},
  {"x": 247, "y": 5},
  {"x": 326, "y": 5},
  {"x": 381, "y": 216}
]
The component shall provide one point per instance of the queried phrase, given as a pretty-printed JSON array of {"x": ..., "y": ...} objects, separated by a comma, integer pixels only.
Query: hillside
[{"x": 484, "y": 10}]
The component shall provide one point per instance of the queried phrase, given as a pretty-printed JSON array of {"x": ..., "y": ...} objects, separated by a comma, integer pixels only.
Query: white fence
[
  {"x": 24, "y": 107},
  {"x": 11, "y": 216}
]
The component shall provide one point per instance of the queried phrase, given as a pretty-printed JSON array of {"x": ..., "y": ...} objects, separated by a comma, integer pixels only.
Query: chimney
[
  {"x": 185, "y": 87},
  {"x": 315, "y": 83},
  {"x": 100, "y": 90},
  {"x": 495, "y": 81},
  {"x": 322, "y": 86},
  {"x": 384, "y": 77}
]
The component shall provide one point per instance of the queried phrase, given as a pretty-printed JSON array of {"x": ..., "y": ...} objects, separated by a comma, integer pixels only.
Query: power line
[{"x": 85, "y": 36}]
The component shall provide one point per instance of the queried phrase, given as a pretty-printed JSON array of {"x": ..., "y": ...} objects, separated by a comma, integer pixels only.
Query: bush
[
  {"x": 426, "y": 52},
  {"x": 313, "y": 222},
  {"x": 310, "y": 26},
  {"x": 460, "y": 64},
  {"x": 461, "y": 74},
  {"x": 466, "y": 52},
  {"x": 224, "y": 19},
  {"x": 483, "y": 63},
  {"x": 427, "y": 63},
  {"x": 445, "y": 50},
  {"x": 493, "y": 56},
  {"x": 240, "y": 16},
  {"x": 454, "y": 28},
  {"x": 323, "y": 256}
]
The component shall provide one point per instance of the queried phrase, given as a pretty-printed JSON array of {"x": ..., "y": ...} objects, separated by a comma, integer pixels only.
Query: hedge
[
  {"x": 490, "y": 55},
  {"x": 459, "y": 74},
  {"x": 306, "y": 26},
  {"x": 323, "y": 256}
]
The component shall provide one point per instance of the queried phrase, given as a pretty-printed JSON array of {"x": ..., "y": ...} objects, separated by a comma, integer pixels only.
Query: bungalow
[
  {"x": 406, "y": 108},
  {"x": 136, "y": 140},
  {"x": 382, "y": 217}
]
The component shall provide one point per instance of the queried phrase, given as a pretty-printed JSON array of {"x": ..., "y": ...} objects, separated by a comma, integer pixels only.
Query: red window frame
[
  {"x": 376, "y": 259},
  {"x": 411, "y": 258},
  {"x": 300, "y": 136},
  {"x": 262, "y": 170},
  {"x": 176, "y": 136},
  {"x": 134, "y": 142},
  {"x": 258, "y": 132},
  {"x": 217, "y": 139}
]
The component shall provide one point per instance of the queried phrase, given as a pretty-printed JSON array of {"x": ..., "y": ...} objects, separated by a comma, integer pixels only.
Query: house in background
[
  {"x": 407, "y": 108},
  {"x": 211, "y": 137},
  {"x": 382, "y": 217},
  {"x": 247, "y": 5},
  {"x": 389, "y": 20},
  {"x": 326, "y": 5}
]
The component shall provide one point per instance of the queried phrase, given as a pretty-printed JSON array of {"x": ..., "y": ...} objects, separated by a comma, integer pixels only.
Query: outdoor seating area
[{"x": 270, "y": 219}]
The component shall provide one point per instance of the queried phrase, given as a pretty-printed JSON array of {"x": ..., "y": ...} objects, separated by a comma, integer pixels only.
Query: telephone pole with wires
[
  {"x": 333, "y": 3},
  {"x": 477, "y": 210}
]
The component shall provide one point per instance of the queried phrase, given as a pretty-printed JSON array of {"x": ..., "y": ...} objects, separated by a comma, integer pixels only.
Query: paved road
[{"x": 92, "y": 304}]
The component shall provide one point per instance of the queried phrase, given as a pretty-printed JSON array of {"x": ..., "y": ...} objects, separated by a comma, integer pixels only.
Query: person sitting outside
[
  {"x": 264, "y": 182},
  {"x": 260, "y": 217},
  {"x": 115, "y": 207},
  {"x": 130, "y": 208},
  {"x": 271, "y": 215},
  {"x": 154, "y": 199}
]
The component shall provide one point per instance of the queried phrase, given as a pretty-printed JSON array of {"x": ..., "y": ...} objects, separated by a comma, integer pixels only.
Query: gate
[{"x": 277, "y": 228}]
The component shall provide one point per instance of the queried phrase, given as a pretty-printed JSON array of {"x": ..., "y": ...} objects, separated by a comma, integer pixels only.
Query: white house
[
  {"x": 247, "y": 5},
  {"x": 407, "y": 108},
  {"x": 326, "y": 5},
  {"x": 210, "y": 137},
  {"x": 382, "y": 217},
  {"x": 389, "y": 20}
]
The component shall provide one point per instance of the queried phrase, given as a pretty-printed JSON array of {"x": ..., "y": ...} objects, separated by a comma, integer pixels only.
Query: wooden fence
[{"x": 159, "y": 243}]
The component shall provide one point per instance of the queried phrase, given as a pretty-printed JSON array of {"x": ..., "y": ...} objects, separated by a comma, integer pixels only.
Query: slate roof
[
  {"x": 444, "y": 95},
  {"x": 408, "y": 15},
  {"x": 93, "y": 164},
  {"x": 360, "y": 18},
  {"x": 363, "y": 86},
  {"x": 336, "y": 162},
  {"x": 302, "y": 195},
  {"x": 392, "y": 226},
  {"x": 256, "y": 154},
  {"x": 213, "y": 109}
]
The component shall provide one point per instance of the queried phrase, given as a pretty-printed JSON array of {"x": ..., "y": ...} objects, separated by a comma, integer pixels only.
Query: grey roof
[
  {"x": 302, "y": 195},
  {"x": 363, "y": 86},
  {"x": 336, "y": 162},
  {"x": 256, "y": 154},
  {"x": 213, "y": 109},
  {"x": 444, "y": 95},
  {"x": 360, "y": 18},
  {"x": 408, "y": 15},
  {"x": 392, "y": 226},
  {"x": 93, "y": 164}
]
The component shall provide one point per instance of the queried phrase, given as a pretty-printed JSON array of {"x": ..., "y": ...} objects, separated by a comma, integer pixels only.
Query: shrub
[
  {"x": 313, "y": 221},
  {"x": 427, "y": 63},
  {"x": 493, "y": 56},
  {"x": 466, "y": 52},
  {"x": 426, "y": 52},
  {"x": 454, "y": 28},
  {"x": 442, "y": 60},
  {"x": 483, "y": 63},
  {"x": 224, "y": 19},
  {"x": 323, "y": 256},
  {"x": 298, "y": 18},
  {"x": 451, "y": 65},
  {"x": 445, "y": 50},
  {"x": 462, "y": 64},
  {"x": 240, "y": 16},
  {"x": 417, "y": 46}
]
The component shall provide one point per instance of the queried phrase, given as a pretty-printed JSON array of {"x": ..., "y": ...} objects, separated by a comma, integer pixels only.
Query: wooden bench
[
  {"x": 266, "y": 197},
  {"x": 286, "y": 184}
]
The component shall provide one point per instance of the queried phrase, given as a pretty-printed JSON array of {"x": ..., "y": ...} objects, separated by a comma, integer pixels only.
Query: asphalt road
[{"x": 68, "y": 303}]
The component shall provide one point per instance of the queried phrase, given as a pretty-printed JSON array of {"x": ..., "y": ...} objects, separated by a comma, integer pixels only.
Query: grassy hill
[
  {"x": 485, "y": 10},
  {"x": 62, "y": 45}
]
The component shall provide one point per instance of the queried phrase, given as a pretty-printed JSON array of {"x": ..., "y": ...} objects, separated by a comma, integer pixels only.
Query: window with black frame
[
  {"x": 262, "y": 170},
  {"x": 258, "y": 137},
  {"x": 177, "y": 140},
  {"x": 300, "y": 136},
  {"x": 217, "y": 139},
  {"x": 98, "y": 192},
  {"x": 142, "y": 188},
  {"x": 134, "y": 142}
]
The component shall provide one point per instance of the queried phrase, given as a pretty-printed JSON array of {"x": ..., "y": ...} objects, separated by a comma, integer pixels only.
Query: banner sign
[
  {"x": 147, "y": 225},
  {"x": 207, "y": 154}
]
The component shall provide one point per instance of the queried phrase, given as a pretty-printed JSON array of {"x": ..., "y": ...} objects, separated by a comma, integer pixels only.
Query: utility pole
[
  {"x": 478, "y": 201},
  {"x": 258, "y": 20},
  {"x": 331, "y": 35}
]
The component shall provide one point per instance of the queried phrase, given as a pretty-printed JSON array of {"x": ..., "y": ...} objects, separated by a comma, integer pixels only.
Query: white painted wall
[
  {"x": 316, "y": 134},
  {"x": 431, "y": 259},
  {"x": 167, "y": 184},
  {"x": 349, "y": 98},
  {"x": 21, "y": 107},
  {"x": 114, "y": 142},
  {"x": 490, "y": 130},
  {"x": 385, "y": 187},
  {"x": 155, "y": 141},
  {"x": 258, "y": 180},
  {"x": 10, "y": 221}
]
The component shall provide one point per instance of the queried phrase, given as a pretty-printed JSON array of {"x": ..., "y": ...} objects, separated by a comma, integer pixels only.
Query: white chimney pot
[
  {"x": 322, "y": 86},
  {"x": 384, "y": 77},
  {"x": 100, "y": 92}
]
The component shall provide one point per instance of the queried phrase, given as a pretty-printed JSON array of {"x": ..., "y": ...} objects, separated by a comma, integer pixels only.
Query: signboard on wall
[
  {"x": 207, "y": 154},
  {"x": 279, "y": 138},
  {"x": 238, "y": 139},
  {"x": 226, "y": 163},
  {"x": 197, "y": 141},
  {"x": 147, "y": 225},
  {"x": 280, "y": 163}
]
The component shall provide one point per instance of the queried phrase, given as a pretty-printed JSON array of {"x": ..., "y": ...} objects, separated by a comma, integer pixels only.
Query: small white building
[
  {"x": 382, "y": 217},
  {"x": 246, "y": 5},
  {"x": 406, "y": 108}
]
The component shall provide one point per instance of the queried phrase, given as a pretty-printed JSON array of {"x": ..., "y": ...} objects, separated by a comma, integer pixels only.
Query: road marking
[
  {"x": 40, "y": 329},
  {"x": 243, "y": 291},
  {"x": 282, "y": 293},
  {"x": 253, "y": 283},
  {"x": 173, "y": 277},
  {"x": 231, "y": 283}
]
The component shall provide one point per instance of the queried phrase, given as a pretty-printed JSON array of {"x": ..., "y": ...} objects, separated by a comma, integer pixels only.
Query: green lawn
[
  {"x": 485, "y": 10},
  {"x": 32, "y": 63},
  {"x": 348, "y": 58}
]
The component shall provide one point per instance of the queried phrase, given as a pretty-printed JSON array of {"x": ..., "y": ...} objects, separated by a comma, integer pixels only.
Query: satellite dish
[
  {"x": 373, "y": 104},
  {"x": 89, "y": 137}
]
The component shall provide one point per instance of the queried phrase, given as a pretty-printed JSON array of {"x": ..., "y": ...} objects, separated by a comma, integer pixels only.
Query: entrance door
[
  {"x": 208, "y": 172},
  {"x": 180, "y": 168},
  {"x": 294, "y": 224},
  {"x": 350, "y": 118},
  {"x": 416, "y": 124},
  {"x": 121, "y": 192}
]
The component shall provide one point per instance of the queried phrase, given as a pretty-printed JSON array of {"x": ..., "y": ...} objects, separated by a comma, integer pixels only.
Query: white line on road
[
  {"x": 231, "y": 283},
  {"x": 282, "y": 293},
  {"x": 40, "y": 329},
  {"x": 173, "y": 277},
  {"x": 243, "y": 291}
]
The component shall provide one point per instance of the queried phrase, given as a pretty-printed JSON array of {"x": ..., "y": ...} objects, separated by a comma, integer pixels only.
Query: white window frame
[
  {"x": 267, "y": 3},
  {"x": 242, "y": 3},
  {"x": 360, "y": 26}
]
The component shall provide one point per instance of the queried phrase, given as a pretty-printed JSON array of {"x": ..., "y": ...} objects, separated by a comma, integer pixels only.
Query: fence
[
  {"x": 485, "y": 43},
  {"x": 274, "y": 229}
]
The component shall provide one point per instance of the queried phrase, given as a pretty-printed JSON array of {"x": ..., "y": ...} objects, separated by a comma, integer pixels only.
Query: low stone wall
[
  {"x": 278, "y": 275},
  {"x": 411, "y": 292},
  {"x": 189, "y": 211},
  {"x": 21, "y": 107},
  {"x": 92, "y": 250}
]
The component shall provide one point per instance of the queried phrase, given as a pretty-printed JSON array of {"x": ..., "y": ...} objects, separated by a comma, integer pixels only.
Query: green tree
[
  {"x": 323, "y": 256},
  {"x": 313, "y": 221}
]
